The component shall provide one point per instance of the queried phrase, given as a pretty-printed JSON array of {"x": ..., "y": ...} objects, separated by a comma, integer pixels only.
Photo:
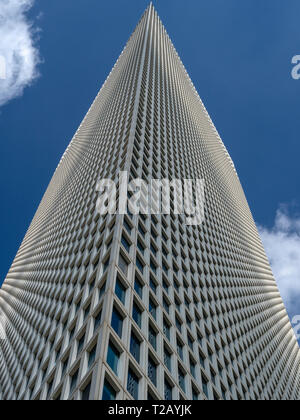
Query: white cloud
[
  {"x": 282, "y": 244},
  {"x": 19, "y": 56}
]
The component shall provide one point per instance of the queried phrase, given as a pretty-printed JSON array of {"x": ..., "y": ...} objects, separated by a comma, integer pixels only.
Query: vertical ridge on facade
[{"x": 145, "y": 307}]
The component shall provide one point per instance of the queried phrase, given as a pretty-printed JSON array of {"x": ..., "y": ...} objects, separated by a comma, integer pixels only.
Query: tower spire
[{"x": 80, "y": 265}]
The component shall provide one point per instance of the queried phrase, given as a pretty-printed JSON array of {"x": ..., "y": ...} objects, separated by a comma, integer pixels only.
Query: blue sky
[{"x": 238, "y": 54}]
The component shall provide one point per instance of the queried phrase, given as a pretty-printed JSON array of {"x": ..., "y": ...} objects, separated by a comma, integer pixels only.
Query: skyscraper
[{"x": 124, "y": 306}]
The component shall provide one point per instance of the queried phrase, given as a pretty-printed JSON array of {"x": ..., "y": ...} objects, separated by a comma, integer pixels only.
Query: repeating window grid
[{"x": 86, "y": 266}]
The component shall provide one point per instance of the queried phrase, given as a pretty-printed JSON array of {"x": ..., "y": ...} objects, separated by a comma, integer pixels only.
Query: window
[
  {"x": 113, "y": 356},
  {"x": 153, "y": 285},
  {"x": 150, "y": 396},
  {"x": 80, "y": 344},
  {"x": 57, "y": 353},
  {"x": 195, "y": 394},
  {"x": 117, "y": 322},
  {"x": 167, "y": 358},
  {"x": 181, "y": 378},
  {"x": 153, "y": 249},
  {"x": 165, "y": 268},
  {"x": 72, "y": 331},
  {"x": 153, "y": 266},
  {"x": 137, "y": 314},
  {"x": 176, "y": 285},
  {"x": 135, "y": 347},
  {"x": 50, "y": 386},
  {"x": 138, "y": 287},
  {"x": 178, "y": 324},
  {"x": 92, "y": 356},
  {"x": 123, "y": 265},
  {"x": 92, "y": 285},
  {"x": 166, "y": 305},
  {"x": 74, "y": 379},
  {"x": 190, "y": 342},
  {"x": 133, "y": 384},
  {"x": 152, "y": 371},
  {"x": 127, "y": 227},
  {"x": 120, "y": 291},
  {"x": 86, "y": 312},
  {"x": 180, "y": 349},
  {"x": 202, "y": 360},
  {"x": 102, "y": 291},
  {"x": 165, "y": 286},
  {"x": 109, "y": 393},
  {"x": 205, "y": 386},
  {"x": 168, "y": 391},
  {"x": 141, "y": 230},
  {"x": 141, "y": 247},
  {"x": 152, "y": 308},
  {"x": 167, "y": 330},
  {"x": 153, "y": 234},
  {"x": 85, "y": 394},
  {"x": 213, "y": 376},
  {"x": 77, "y": 307},
  {"x": 152, "y": 337},
  {"x": 57, "y": 398},
  {"x": 189, "y": 322},
  {"x": 193, "y": 368},
  {"x": 97, "y": 320},
  {"x": 64, "y": 367},
  {"x": 140, "y": 264},
  {"x": 126, "y": 244},
  {"x": 106, "y": 264}
]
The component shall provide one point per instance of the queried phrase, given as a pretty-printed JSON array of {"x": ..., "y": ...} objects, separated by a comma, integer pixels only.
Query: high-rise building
[{"x": 124, "y": 306}]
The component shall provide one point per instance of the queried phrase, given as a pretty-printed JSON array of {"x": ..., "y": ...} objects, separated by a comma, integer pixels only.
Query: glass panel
[
  {"x": 97, "y": 320},
  {"x": 195, "y": 395},
  {"x": 137, "y": 315},
  {"x": 181, "y": 377},
  {"x": 113, "y": 356},
  {"x": 193, "y": 369},
  {"x": 153, "y": 285},
  {"x": 80, "y": 344},
  {"x": 85, "y": 396},
  {"x": 167, "y": 330},
  {"x": 152, "y": 371},
  {"x": 180, "y": 350},
  {"x": 135, "y": 347},
  {"x": 92, "y": 356},
  {"x": 74, "y": 381},
  {"x": 167, "y": 359},
  {"x": 117, "y": 322},
  {"x": 152, "y": 308},
  {"x": 205, "y": 387},
  {"x": 123, "y": 265},
  {"x": 133, "y": 384},
  {"x": 152, "y": 337},
  {"x": 109, "y": 393},
  {"x": 138, "y": 287},
  {"x": 126, "y": 244},
  {"x": 140, "y": 265},
  {"x": 120, "y": 291},
  {"x": 168, "y": 392}
]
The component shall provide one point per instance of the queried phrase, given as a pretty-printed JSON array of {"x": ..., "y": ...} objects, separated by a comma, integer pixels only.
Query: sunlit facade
[{"x": 145, "y": 306}]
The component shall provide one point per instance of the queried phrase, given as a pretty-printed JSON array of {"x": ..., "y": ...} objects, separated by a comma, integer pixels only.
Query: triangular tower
[{"x": 121, "y": 306}]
